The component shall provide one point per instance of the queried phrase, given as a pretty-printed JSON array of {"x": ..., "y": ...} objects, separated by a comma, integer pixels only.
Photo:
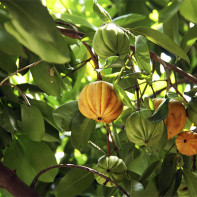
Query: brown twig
[
  {"x": 79, "y": 167},
  {"x": 20, "y": 70}
]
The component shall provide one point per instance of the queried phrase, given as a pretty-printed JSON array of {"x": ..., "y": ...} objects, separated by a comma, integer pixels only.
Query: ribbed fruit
[
  {"x": 113, "y": 168},
  {"x": 141, "y": 131},
  {"x": 99, "y": 101},
  {"x": 192, "y": 110},
  {"x": 186, "y": 143},
  {"x": 175, "y": 121},
  {"x": 111, "y": 40}
]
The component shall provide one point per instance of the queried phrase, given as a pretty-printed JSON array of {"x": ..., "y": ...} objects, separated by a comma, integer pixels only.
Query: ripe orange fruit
[
  {"x": 99, "y": 101},
  {"x": 175, "y": 121},
  {"x": 186, "y": 143}
]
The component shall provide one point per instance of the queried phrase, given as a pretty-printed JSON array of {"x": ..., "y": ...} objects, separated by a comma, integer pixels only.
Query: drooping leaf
[
  {"x": 123, "y": 96},
  {"x": 114, "y": 61},
  {"x": 33, "y": 27},
  {"x": 64, "y": 114},
  {"x": 161, "y": 112},
  {"x": 161, "y": 40},
  {"x": 188, "y": 10},
  {"x": 9, "y": 45},
  {"x": 74, "y": 182},
  {"x": 47, "y": 78},
  {"x": 167, "y": 173},
  {"x": 81, "y": 130},
  {"x": 127, "y": 19},
  {"x": 28, "y": 158},
  {"x": 32, "y": 122},
  {"x": 101, "y": 12},
  {"x": 142, "y": 54},
  {"x": 191, "y": 182}
]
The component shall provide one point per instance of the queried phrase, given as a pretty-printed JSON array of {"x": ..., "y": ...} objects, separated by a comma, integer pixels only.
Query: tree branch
[{"x": 10, "y": 182}]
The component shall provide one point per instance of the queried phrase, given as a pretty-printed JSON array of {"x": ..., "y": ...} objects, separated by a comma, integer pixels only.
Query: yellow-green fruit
[
  {"x": 113, "y": 168},
  {"x": 111, "y": 40},
  {"x": 99, "y": 101},
  {"x": 175, "y": 121},
  {"x": 192, "y": 110},
  {"x": 142, "y": 131}
]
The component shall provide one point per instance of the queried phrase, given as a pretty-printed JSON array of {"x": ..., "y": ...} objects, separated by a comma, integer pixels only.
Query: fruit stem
[{"x": 108, "y": 144}]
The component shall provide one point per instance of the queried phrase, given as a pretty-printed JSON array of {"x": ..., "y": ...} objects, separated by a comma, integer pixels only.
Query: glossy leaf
[
  {"x": 167, "y": 173},
  {"x": 32, "y": 26},
  {"x": 74, "y": 182},
  {"x": 123, "y": 96},
  {"x": 9, "y": 45},
  {"x": 64, "y": 114},
  {"x": 101, "y": 12},
  {"x": 32, "y": 122},
  {"x": 114, "y": 61},
  {"x": 191, "y": 181},
  {"x": 142, "y": 54},
  {"x": 47, "y": 78},
  {"x": 81, "y": 130},
  {"x": 29, "y": 158},
  {"x": 161, "y": 112},
  {"x": 127, "y": 19},
  {"x": 189, "y": 10},
  {"x": 161, "y": 40}
]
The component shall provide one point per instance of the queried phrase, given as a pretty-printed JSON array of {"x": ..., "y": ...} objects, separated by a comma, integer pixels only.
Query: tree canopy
[{"x": 146, "y": 52}]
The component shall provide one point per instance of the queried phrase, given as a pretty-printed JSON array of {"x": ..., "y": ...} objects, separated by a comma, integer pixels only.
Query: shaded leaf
[
  {"x": 161, "y": 40},
  {"x": 74, "y": 182},
  {"x": 114, "y": 61},
  {"x": 64, "y": 114},
  {"x": 81, "y": 130},
  {"x": 32, "y": 122},
  {"x": 142, "y": 54}
]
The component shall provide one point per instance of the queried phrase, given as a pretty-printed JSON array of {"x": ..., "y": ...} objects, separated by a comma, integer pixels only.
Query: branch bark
[{"x": 10, "y": 182}]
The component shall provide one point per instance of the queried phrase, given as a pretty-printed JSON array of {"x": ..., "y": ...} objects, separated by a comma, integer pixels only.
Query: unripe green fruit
[
  {"x": 112, "y": 167},
  {"x": 192, "y": 110},
  {"x": 141, "y": 131},
  {"x": 111, "y": 40}
]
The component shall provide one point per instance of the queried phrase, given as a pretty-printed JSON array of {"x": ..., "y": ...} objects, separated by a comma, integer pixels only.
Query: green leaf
[
  {"x": 28, "y": 158},
  {"x": 5, "y": 138},
  {"x": 32, "y": 122},
  {"x": 47, "y": 78},
  {"x": 123, "y": 96},
  {"x": 7, "y": 63},
  {"x": 189, "y": 38},
  {"x": 161, "y": 112},
  {"x": 32, "y": 26},
  {"x": 142, "y": 54},
  {"x": 191, "y": 182},
  {"x": 161, "y": 40},
  {"x": 128, "y": 19},
  {"x": 3, "y": 16},
  {"x": 149, "y": 171},
  {"x": 74, "y": 182},
  {"x": 188, "y": 10},
  {"x": 64, "y": 114},
  {"x": 9, "y": 45},
  {"x": 81, "y": 130},
  {"x": 167, "y": 173},
  {"x": 114, "y": 61},
  {"x": 169, "y": 11},
  {"x": 101, "y": 12},
  {"x": 192, "y": 92}
]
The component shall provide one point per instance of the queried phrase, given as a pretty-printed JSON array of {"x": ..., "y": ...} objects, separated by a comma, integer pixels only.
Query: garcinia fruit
[
  {"x": 113, "y": 168},
  {"x": 192, "y": 110},
  {"x": 175, "y": 121},
  {"x": 142, "y": 131},
  {"x": 111, "y": 40},
  {"x": 99, "y": 101}
]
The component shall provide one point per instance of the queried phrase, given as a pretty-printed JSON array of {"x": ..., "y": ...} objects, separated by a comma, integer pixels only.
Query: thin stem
[
  {"x": 20, "y": 70},
  {"x": 108, "y": 144},
  {"x": 194, "y": 163},
  {"x": 114, "y": 144},
  {"x": 80, "y": 167},
  {"x": 20, "y": 91}
]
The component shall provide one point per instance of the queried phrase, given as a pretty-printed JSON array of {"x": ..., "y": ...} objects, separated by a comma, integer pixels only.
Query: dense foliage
[{"x": 48, "y": 55}]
